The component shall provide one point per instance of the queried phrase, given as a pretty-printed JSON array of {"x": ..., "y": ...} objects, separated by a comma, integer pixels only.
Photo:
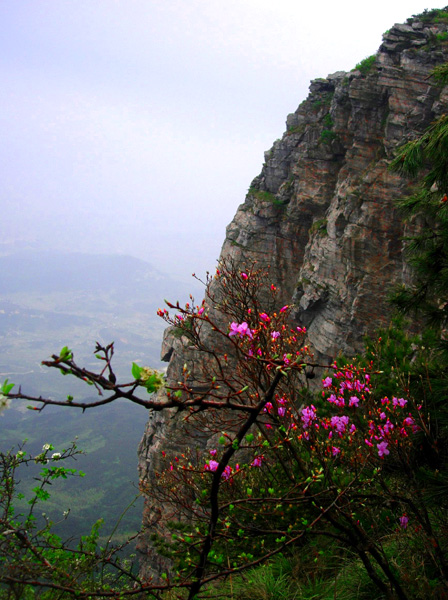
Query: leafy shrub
[{"x": 366, "y": 65}]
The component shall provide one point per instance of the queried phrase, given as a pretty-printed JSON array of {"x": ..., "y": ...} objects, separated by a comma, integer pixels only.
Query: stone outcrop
[{"x": 321, "y": 213}]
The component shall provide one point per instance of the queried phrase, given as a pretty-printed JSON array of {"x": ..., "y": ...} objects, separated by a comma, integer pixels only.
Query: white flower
[
  {"x": 46, "y": 447},
  {"x": 56, "y": 456},
  {"x": 20, "y": 454},
  {"x": 4, "y": 403}
]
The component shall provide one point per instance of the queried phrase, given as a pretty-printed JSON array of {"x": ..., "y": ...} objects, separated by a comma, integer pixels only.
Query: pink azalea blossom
[
  {"x": 335, "y": 451},
  {"x": 354, "y": 401},
  {"x": 388, "y": 427},
  {"x": 244, "y": 275},
  {"x": 308, "y": 415},
  {"x": 358, "y": 386},
  {"x": 227, "y": 473},
  {"x": 301, "y": 329},
  {"x": 404, "y": 520},
  {"x": 327, "y": 382},
  {"x": 368, "y": 442},
  {"x": 284, "y": 308},
  {"x": 281, "y": 411},
  {"x": 240, "y": 330},
  {"x": 409, "y": 421},
  {"x": 266, "y": 318},
  {"x": 275, "y": 335},
  {"x": 213, "y": 452},
  {"x": 201, "y": 310},
  {"x": 257, "y": 461},
  {"x": 382, "y": 449},
  {"x": 212, "y": 465},
  {"x": 339, "y": 423}
]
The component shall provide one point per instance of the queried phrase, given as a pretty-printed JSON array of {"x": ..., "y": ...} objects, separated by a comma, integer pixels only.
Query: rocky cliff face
[{"x": 321, "y": 213}]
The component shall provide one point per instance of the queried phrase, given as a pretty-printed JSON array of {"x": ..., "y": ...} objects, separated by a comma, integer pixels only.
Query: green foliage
[
  {"x": 319, "y": 226},
  {"x": 366, "y": 65},
  {"x": 327, "y": 134},
  {"x": 265, "y": 196},
  {"x": 35, "y": 562},
  {"x": 435, "y": 15},
  {"x": 427, "y": 211}
]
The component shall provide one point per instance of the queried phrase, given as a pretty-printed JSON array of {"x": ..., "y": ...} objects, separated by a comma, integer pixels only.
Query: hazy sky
[{"x": 136, "y": 126}]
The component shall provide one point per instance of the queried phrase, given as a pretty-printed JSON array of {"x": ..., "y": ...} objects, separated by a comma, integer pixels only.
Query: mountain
[{"x": 321, "y": 213}]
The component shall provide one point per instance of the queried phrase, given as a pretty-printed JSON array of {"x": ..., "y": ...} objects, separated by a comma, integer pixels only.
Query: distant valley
[{"x": 50, "y": 300}]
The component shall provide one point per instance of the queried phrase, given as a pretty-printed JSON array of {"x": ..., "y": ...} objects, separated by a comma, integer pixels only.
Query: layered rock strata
[{"x": 321, "y": 213}]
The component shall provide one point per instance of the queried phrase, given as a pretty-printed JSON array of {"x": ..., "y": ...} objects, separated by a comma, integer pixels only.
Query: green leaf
[
  {"x": 136, "y": 371},
  {"x": 250, "y": 437},
  {"x": 222, "y": 440},
  {"x": 6, "y": 387}
]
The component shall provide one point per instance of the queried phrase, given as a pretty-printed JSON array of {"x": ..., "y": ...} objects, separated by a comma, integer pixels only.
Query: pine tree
[{"x": 427, "y": 251}]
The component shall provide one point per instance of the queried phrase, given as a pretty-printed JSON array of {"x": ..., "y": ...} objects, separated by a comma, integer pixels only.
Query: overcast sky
[{"x": 136, "y": 126}]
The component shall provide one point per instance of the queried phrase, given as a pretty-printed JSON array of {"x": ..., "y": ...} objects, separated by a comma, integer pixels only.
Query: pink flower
[
  {"x": 275, "y": 335},
  {"x": 212, "y": 465},
  {"x": 308, "y": 415},
  {"x": 201, "y": 310},
  {"x": 240, "y": 330},
  {"x": 409, "y": 421},
  {"x": 281, "y": 411},
  {"x": 332, "y": 399},
  {"x": 257, "y": 461},
  {"x": 301, "y": 329},
  {"x": 404, "y": 520},
  {"x": 382, "y": 415},
  {"x": 353, "y": 401},
  {"x": 267, "y": 407},
  {"x": 368, "y": 443},
  {"x": 358, "y": 386},
  {"x": 234, "y": 329},
  {"x": 339, "y": 423},
  {"x": 212, "y": 452},
  {"x": 266, "y": 318},
  {"x": 284, "y": 308},
  {"x": 388, "y": 427},
  {"x": 382, "y": 449},
  {"x": 335, "y": 451},
  {"x": 327, "y": 382},
  {"x": 244, "y": 275},
  {"x": 227, "y": 473}
]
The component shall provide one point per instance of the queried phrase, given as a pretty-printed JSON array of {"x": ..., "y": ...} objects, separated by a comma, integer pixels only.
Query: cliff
[{"x": 321, "y": 213}]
